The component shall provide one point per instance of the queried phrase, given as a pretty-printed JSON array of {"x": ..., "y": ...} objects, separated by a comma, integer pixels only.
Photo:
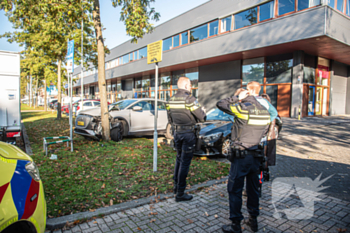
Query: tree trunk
[
  {"x": 45, "y": 96},
  {"x": 59, "y": 88},
  {"x": 101, "y": 72},
  {"x": 36, "y": 93}
]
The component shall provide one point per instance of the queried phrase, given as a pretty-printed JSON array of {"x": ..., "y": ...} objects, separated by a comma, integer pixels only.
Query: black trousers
[
  {"x": 184, "y": 144},
  {"x": 247, "y": 167}
]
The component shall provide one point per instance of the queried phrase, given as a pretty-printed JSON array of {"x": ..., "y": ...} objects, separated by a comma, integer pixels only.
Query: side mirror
[{"x": 137, "y": 108}]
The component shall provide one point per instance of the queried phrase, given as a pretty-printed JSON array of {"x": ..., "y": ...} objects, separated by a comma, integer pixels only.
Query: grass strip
[{"x": 99, "y": 173}]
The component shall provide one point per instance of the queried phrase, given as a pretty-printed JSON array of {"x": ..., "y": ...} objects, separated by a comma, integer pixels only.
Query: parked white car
[{"x": 88, "y": 104}]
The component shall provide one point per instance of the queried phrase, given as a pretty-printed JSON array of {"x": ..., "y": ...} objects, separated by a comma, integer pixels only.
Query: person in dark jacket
[
  {"x": 253, "y": 115},
  {"x": 184, "y": 112}
]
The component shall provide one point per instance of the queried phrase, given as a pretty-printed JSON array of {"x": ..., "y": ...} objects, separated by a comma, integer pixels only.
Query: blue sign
[
  {"x": 70, "y": 56},
  {"x": 66, "y": 86}
]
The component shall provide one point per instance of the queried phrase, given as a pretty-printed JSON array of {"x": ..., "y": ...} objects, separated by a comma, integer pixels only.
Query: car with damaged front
[
  {"x": 214, "y": 137},
  {"x": 126, "y": 117}
]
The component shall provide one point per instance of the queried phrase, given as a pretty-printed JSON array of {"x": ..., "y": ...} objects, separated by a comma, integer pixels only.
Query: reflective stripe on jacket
[{"x": 184, "y": 109}]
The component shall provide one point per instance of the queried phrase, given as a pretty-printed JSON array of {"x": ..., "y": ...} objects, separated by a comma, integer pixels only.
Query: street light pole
[
  {"x": 155, "y": 137},
  {"x": 82, "y": 62}
]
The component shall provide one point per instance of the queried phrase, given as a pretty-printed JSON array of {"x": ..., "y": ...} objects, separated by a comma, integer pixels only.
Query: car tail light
[
  {"x": 13, "y": 134},
  {"x": 78, "y": 108}
]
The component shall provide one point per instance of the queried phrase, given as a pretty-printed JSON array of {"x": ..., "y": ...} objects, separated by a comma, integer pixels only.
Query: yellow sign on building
[{"x": 155, "y": 52}]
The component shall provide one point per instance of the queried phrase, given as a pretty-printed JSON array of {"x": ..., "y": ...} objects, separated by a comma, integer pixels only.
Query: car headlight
[
  {"x": 212, "y": 137},
  {"x": 33, "y": 171}
]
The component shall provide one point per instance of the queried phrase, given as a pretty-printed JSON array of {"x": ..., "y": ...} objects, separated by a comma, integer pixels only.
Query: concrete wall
[
  {"x": 218, "y": 81},
  {"x": 339, "y": 88},
  {"x": 297, "y": 83},
  {"x": 337, "y": 26}
]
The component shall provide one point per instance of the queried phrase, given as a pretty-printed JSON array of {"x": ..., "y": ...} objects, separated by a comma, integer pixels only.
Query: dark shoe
[
  {"x": 253, "y": 223},
  {"x": 182, "y": 196},
  {"x": 235, "y": 227}
]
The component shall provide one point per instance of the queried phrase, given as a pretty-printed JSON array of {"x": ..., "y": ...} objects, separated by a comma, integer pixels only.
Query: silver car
[{"x": 127, "y": 117}]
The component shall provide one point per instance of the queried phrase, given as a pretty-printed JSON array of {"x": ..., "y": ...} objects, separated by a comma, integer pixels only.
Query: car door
[
  {"x": 142, "y": 120},
  {"x": 162, "y": 116}
]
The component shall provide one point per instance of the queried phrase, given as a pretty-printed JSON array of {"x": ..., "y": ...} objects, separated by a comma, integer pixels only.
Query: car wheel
[
  {"x": 169, "y": 132},
  {"x": 125, "y": 128},
  {"x": 226, "y": 147},
  {"x": 116, "y": 134}
]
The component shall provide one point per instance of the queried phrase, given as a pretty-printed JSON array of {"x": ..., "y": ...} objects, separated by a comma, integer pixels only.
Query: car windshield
[
  {"x": 122, "y": 104},
  {"x": 217, "y": 115}
]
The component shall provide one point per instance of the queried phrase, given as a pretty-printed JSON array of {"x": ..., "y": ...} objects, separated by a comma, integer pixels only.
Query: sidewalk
[
  {"x": 208, "y": 211},
  {"x": 306, "y": 149}
]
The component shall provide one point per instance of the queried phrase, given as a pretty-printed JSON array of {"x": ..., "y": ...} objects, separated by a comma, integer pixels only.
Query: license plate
[{"x": 81, "y": 123}]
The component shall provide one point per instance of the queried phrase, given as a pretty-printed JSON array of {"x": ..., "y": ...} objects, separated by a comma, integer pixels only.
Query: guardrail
[{"x": 46, "y": 144}]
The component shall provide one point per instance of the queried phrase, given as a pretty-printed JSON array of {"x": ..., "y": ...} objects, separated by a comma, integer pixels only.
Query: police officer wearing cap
[
  {"x": 252, "y": 116},
  {"x": 184, "y": 112}
]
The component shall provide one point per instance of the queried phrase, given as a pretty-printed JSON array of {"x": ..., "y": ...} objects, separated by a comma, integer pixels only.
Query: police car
[{"x": 22, "y": 200}]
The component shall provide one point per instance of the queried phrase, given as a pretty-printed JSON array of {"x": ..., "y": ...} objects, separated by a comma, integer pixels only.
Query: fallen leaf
[
  {"x": 206, "y": 214},
  {"x": 95, "y": 222},
  {"x": 152, "y": 220},
  {"x": 139, "y": 229},
  {"x": 103, "y": 186},
  {"x": 216, "y": 216},
  {"x": 189, "y": 220},
  {"x": 92, "y": 210},
  {"x": 111, "y": 202}
]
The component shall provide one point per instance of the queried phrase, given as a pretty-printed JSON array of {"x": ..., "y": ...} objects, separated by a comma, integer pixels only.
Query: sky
[{"x": 115, "y": 33}]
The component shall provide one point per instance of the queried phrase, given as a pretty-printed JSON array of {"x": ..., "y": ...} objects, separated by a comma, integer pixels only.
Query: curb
[
  {"x": 26, "y": 140},
  {"x": 60, "y": 222}
]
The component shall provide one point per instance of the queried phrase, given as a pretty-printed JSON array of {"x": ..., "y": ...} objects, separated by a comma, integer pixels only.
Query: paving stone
[
  {"x": 84, "y": 226},
  {"x": 126, "y": 230},
  {"x": 108, "y": 219},
  {"x": 104, "y": 227},
  {"x": 90, "y": 230},
  {"x": 67, "y": 231},
  {"x": 76, "y": 229}
]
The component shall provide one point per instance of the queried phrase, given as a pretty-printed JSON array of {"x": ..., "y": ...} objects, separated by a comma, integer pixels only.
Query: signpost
[
  {"x": 70, "y": 70},
  {"x": 154, "y": 55}
]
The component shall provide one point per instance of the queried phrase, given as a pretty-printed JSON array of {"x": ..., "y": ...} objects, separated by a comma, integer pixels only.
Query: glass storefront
[{"x": 253, "y": 70}]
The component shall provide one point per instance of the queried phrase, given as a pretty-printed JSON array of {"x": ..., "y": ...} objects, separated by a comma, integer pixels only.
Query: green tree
[
  {"x": 136, "y": 15},
  {"x": 47, "y": 25}
]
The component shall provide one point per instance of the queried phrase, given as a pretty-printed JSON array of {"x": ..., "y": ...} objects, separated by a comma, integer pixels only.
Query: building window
[
  {"x": 165, "y": 81},
  {"x": 285, "y": 6},
  {"x": 138, "y": 84},
  {"x": 131, "y": 56},
  {"x": 192, "y": 74},
  {"x": 213, "y": 28},
  {"x": 125, "y": 58},
  {"x": 184, "y": 38},
  {"x": 199, "y": 33},
  {"x": 340, "y": 5},
  {"x": 135, "y": 55},
  {"x": 176, "y": 40},
  {"x": 143, "y": 52},
  {"x": 226, "y": 24},
  {"x": 331, "y": 3},
  {"x": 145, "y": 85},
  {"x": 272, "y": 91},
  {"x": 253, "y": 70},
  {"x": 348, "y": 7},
  {"x": 167, "y": 44},
  {"x": 279, "y": 68},
  {"x": 309, "y": 68},
  {"x": 266, "y": 11},
  {"x": 175, "y": 77},
  {"x": 246, "y": 18},
  {"x": 303, "y": 4}
]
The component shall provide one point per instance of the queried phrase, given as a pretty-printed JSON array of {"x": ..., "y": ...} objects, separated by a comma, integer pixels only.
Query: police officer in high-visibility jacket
[
  {"x": 252, "y": 116},
  {"x": 184, "y": 112}
]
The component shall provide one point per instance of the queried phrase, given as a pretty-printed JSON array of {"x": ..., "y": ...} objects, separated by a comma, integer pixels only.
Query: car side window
[
  {"x": 161, "y": 106},
  {"x": 89, "y": 104},
  {"x": 98, "y": 104},
  {"x": 146, "y": 105}
]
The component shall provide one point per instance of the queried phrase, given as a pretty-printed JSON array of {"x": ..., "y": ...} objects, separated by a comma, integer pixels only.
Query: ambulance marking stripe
[
  {"x": 3, "y": 190},
  {"x": 31, "y": 205},
  {"x": 20, "y": 184}
]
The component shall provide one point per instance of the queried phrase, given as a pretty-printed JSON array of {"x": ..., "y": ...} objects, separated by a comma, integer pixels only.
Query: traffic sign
[
  {"x": 155, "y": 52},
  {"x": 70, "y": 56},
  {"x": 66, "y": 86}
]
